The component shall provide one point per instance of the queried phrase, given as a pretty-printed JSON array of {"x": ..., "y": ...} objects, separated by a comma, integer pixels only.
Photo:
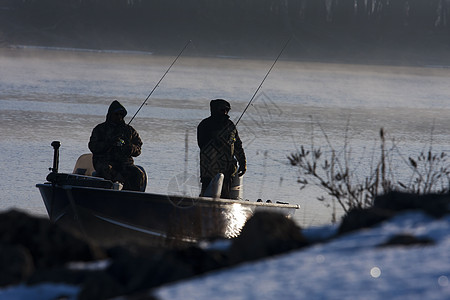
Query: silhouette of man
[
  {"x": 220, "y": 147},
  {"x": 113, "y": 144}
]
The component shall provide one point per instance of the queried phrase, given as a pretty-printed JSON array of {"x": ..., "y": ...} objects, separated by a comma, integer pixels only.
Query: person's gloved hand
[{"x": 242, "y": 169}]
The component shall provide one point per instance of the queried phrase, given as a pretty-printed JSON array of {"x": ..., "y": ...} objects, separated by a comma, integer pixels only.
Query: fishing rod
[
  {"x": 264, "y": 79},
  {"x": 167, "y": 71}
]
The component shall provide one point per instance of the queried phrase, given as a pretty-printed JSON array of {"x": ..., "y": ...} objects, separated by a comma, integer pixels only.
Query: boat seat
[{"x": 84, "y": 165}]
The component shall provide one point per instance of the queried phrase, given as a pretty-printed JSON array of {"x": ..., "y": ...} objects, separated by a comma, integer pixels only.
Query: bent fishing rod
[
  {"x": 167, "y": 71},
  {"x": 264, "y": 79}
]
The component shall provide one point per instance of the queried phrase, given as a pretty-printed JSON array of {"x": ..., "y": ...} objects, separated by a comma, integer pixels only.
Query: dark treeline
[
  {"x": 324, "y": 25},
  {"x": 285, "y": 14}
]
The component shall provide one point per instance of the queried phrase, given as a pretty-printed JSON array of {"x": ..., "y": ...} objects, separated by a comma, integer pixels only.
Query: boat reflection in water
[{"x": 95, "y": 208}]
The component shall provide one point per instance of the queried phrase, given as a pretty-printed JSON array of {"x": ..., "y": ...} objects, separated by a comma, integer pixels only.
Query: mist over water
[{"x": 48, "y": 95}]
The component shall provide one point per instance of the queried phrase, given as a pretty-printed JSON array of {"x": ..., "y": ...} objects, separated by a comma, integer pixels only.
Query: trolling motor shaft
[{"x": 55, "y": 145}]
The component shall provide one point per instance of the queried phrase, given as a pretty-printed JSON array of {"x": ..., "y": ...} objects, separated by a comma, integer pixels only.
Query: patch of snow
[
  {"x": 220, "y": 244},
  {"x": 91, "y": 266},
  {"x": 40, "y": 292}
]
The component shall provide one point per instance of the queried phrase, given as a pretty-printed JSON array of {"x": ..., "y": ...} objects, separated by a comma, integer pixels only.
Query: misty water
[{"x": 48, "y": 95}]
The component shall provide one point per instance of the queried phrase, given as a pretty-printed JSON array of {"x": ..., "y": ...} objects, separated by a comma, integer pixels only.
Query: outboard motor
[
  {"x": 214, "y": 188},
  {"x": 237, "y": 188}
]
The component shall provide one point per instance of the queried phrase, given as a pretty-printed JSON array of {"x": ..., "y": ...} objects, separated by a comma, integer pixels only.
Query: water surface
[{"x": 48, "y": 95}]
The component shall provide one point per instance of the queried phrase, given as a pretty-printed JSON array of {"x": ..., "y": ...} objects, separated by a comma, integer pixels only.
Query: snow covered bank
[{"x": 350, "y": 267}]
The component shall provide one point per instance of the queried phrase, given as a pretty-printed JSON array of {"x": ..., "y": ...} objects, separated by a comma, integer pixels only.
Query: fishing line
[
  {"x": 264, "y": 79},
  {"x": 167, "y": 71}
]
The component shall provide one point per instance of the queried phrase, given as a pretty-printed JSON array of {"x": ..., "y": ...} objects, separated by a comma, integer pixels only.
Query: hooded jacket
[
  {"x": 219, "y": 142},
  {"x": 114, "y": 143}
]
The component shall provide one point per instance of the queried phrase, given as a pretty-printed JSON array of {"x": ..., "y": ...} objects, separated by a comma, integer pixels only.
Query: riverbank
[{"x": 373, "y": 253}]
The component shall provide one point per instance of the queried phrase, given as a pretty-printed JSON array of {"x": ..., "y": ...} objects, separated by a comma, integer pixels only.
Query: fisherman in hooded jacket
[
  {"x": 220, "y": 147},
  {"x": 114, "y": 144}
]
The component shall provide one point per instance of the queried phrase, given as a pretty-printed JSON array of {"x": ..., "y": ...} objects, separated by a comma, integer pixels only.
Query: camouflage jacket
[
  {"x": 114, "y": 143},
  {"x": 220, "y": 147}
]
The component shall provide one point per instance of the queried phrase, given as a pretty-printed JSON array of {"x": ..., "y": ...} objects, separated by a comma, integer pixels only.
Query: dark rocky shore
[{"x": 34, "y": 251}]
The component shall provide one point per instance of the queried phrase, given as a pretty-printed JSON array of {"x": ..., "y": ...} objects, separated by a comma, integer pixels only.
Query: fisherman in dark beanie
[
  {"x": 113, "y": 144},
  {"x": 220, "y": 147}
]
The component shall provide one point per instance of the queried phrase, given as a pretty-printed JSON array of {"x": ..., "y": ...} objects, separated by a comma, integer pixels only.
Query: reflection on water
[{"x": 51, "y": 95}]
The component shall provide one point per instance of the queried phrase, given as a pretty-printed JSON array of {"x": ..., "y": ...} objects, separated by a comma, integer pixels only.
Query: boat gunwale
[{"x": 202, "y": 199}]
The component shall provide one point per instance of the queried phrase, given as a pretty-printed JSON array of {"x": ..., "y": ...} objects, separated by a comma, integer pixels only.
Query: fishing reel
[{"x": 120, "y": 142}]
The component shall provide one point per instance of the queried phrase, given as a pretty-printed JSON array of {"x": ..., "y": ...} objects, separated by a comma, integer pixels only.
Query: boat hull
[{"x": 109, "y": 216}]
